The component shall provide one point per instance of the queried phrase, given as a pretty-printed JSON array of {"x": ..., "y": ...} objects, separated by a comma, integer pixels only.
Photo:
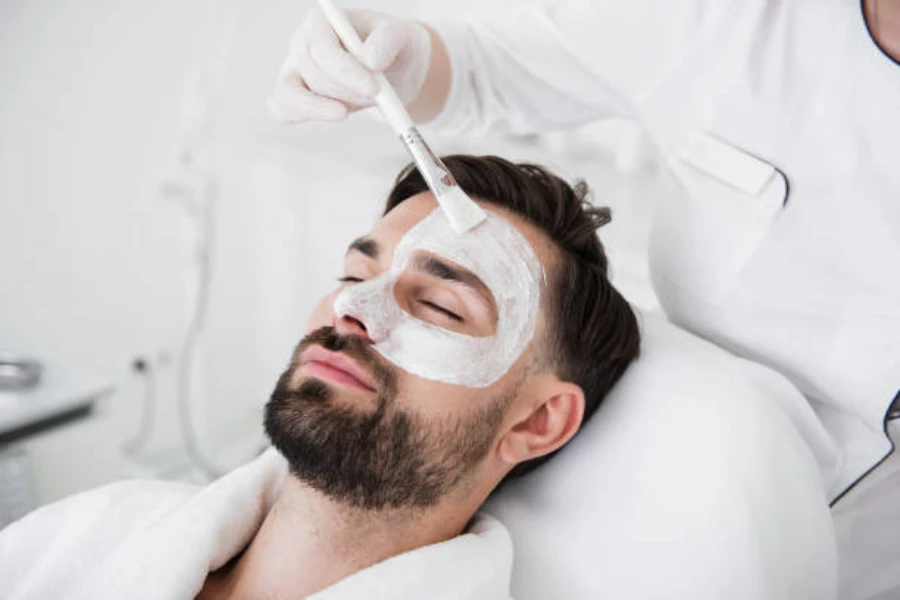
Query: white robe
[{"x": 146, "y": 540}]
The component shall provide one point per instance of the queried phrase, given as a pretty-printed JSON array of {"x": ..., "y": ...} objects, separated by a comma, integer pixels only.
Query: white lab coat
[
  {"x": 781, "y": 122},
  {"x": 145, "y": 540}
]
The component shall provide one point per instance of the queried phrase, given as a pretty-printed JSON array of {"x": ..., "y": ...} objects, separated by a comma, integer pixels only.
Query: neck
[
  {"x": 883, "y": 18},
  {"x": 309, "y": 542}
]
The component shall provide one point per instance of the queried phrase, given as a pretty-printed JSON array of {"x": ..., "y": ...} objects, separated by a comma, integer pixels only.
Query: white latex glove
[{"x": 321, "y": 81}]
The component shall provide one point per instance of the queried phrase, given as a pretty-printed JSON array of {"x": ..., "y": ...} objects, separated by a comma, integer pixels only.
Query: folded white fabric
[
  {"x": 145, "y": 540},
  {"x": 697, "y": 479},
  {"x": 137, "y": 539}
]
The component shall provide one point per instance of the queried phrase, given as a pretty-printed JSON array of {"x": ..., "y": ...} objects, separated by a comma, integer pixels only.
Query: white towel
[{"x": 158, "y": 541}]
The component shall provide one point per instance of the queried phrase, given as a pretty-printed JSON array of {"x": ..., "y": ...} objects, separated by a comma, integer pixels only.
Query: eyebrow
[
  {"x": 365, "y": 245},
  {"x": 436, "y": 267}
]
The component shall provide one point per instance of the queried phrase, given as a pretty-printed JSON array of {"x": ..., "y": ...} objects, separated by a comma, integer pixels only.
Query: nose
[
  {"x": 350, "y": 325},
  {"x": 366, "y": 309}
]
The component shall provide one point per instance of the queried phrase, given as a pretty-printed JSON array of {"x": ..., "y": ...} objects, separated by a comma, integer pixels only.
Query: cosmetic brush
[{"x": 462, "y": 212}]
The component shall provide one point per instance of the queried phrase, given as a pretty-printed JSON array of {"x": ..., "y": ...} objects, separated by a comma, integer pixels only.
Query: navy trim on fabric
[
  {"x": 787, "y": 186},
  {"x": 862, "y": 11},
  {"x": 892, "y": 409}
]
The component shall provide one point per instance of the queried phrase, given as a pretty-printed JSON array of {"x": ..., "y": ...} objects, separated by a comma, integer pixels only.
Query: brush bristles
[{"x": 462, "y": 212}]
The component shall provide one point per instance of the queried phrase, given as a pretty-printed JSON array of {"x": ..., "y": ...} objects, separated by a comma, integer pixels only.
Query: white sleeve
[{"x": 564, "y": 62}]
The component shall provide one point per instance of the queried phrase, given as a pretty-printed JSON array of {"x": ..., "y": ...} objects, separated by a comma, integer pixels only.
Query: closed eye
[
  {"x": 348, "y": 279},
  {"x": 440, "y": 309}
]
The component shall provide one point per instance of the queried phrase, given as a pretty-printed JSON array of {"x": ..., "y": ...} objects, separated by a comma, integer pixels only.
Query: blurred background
[{"x": 162, "y": 239}]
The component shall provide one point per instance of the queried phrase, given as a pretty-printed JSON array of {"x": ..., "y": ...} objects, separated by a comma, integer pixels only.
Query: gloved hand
[{"x": 321, "y": 81}]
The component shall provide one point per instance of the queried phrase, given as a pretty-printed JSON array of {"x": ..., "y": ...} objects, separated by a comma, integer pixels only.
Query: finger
[
  {"x": 382, "y": 46},
  {"x": 332, "y": 58},
  {"x": 300, "y": 67},
  {"x": 292, "y": 102},
  {"x": 323, "y": 84}
]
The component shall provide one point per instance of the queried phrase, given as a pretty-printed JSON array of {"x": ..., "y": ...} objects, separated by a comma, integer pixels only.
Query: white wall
[
  {"x": 93, "y": 263},
  {"x": 89, "y": 256}
]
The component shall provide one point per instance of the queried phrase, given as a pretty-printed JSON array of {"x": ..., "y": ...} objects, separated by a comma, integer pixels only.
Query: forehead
[{"x": 391, "y": 228}]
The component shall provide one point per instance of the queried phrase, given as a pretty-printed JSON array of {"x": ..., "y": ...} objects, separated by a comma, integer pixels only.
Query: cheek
[
  {"x": 444, "y": 402},
  {"x": 435, "y": 400},
  {"x": 322, "y": 314}
]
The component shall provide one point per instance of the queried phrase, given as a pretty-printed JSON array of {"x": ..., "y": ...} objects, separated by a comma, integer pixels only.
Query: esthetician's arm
[
  {"x": 487, "y": 70},
  {"x": 436, "y": 87},
  {"x": 542, "y": 68}
]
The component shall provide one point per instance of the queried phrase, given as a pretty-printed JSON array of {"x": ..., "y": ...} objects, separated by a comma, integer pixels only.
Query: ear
[{"x": 554, "y": 417}]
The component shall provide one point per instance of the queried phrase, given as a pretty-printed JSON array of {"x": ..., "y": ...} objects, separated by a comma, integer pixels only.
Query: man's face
[{"x": 405, "y": 378}]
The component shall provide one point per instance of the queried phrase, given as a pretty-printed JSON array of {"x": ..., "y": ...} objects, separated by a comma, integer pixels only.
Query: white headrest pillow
[{"x": 693, "y": 480}]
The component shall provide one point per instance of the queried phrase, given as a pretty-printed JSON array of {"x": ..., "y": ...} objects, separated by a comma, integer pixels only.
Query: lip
[{"x": 335, "y": 367}]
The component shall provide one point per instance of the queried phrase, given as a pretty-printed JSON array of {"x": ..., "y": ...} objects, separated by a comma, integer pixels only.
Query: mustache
[{"x": 353, "y": 347}]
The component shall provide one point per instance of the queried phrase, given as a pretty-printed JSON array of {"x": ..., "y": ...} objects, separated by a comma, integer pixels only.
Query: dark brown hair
[{"x": 592, "y": 332}]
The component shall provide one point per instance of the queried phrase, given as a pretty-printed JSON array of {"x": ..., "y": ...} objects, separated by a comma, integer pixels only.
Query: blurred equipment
[
  {"x": 147, "y": 370},
  {"x": 16, "y": 497},
  {"x": 32, "y": 405},
  {"x": 193, "y": 186},
  {"x": 17, "y": 372}
]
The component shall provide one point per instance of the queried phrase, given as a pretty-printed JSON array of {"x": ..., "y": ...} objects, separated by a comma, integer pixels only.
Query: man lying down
[{"x": 439, "y": 367}]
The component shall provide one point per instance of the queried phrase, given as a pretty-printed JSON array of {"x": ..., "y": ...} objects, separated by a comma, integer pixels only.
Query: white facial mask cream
[{"x": 504, "y": 261}]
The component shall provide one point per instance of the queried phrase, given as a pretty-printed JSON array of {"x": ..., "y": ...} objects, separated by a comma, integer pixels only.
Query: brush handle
[
  {"x": 462, "y": 212},
  {"x": 386, "y": 98}
]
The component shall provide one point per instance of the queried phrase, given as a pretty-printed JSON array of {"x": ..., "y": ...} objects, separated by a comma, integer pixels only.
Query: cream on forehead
[{"x": 504, "y": 261}]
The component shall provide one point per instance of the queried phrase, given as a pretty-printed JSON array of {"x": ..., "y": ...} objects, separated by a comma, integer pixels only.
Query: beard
[{"x": 379, "y": 458}]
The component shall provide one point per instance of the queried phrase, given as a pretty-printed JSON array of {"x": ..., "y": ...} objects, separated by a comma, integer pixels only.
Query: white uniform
[{"x": 781, "y": 122}]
